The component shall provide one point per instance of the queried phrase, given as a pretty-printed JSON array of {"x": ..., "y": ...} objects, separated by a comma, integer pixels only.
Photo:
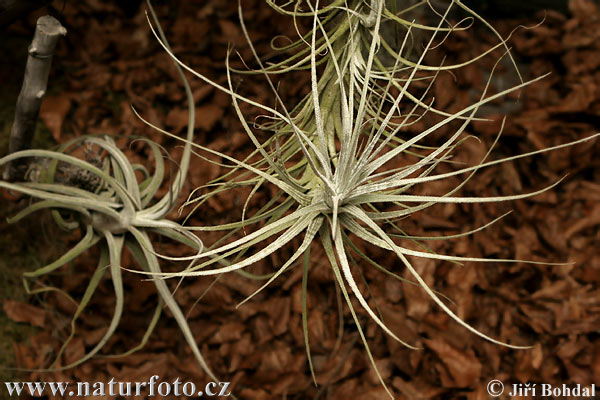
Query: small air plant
[
  {"x": 102, "y": 197},
  {"x": 335, "y": 193}
]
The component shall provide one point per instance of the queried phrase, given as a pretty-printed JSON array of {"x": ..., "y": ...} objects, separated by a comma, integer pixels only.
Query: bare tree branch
[{"x": 47, "y": 32}]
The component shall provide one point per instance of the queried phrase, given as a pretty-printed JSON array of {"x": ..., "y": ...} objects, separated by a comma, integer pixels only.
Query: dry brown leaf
[
  {"x": 205, "y": 118},
  {"x": 53, "y": 112},
  {"x": 463, "y": 366},
  {"x": 74, "y": 351},
  {"x": 23, "y": 312}
]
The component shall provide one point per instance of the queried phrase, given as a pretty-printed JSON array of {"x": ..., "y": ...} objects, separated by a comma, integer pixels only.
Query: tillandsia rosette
[
  {"x": 103, "y": 198},
  {"x": 332, "y": 162},
  {"x": 349, "y": 28}
]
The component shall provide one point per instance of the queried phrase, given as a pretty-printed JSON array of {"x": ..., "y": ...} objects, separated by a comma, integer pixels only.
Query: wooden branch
[{"x": 47, "y": 32}]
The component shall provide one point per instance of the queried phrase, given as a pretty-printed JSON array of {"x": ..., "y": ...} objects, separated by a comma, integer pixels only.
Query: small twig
[{"x": 41, "y": 50}]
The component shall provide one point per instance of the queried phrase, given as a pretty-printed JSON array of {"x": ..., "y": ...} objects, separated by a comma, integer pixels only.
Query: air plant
[
  {"x": 350, "y": 27},
  {"x": 102, "y": 197},
  {"x": 345, "y": 187}
]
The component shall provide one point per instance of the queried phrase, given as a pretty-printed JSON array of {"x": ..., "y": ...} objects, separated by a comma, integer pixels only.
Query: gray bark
[{"x": 47, "y": 32}]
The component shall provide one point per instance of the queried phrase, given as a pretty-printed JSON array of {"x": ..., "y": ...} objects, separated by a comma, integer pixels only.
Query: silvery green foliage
[
  {"x": 103, "y": 198},
  {"x": 331, "y": 158}
]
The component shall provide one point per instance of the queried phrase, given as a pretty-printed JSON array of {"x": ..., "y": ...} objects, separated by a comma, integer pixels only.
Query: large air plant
[
  {"x": 102, "y": 197},
  {"x": 344, "y": 187},
  {"x": 349, "y": 28}
]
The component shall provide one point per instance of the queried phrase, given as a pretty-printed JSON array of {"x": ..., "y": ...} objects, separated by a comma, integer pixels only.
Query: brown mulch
[{"x": 109, "y": 61}]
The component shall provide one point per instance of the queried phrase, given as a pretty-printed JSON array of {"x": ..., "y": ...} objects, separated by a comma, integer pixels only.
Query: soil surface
[{"x": 109, "y": 61}]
